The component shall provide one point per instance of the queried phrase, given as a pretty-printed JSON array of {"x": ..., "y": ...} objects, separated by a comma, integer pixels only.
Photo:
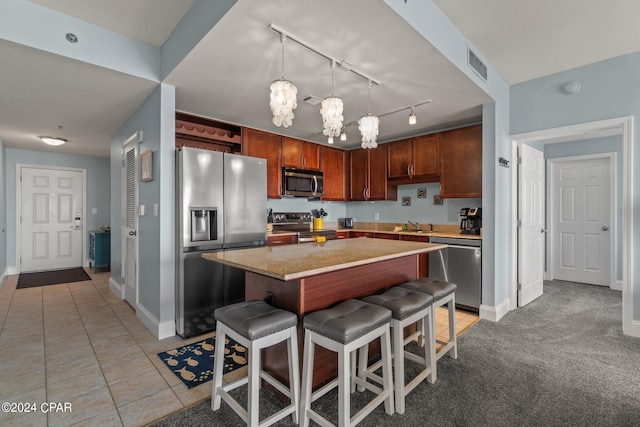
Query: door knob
[
  {"x": 543, "y": 230},
  {"x": 132, "y": 233},
  {"x": 605, "y": 228}
]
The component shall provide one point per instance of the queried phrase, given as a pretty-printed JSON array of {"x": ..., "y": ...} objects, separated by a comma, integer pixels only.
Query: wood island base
[{"x": 318, "y": 292}]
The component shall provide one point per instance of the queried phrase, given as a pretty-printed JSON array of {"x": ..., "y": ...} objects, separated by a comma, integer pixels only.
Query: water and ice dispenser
[{"x": 204, "y": 224}]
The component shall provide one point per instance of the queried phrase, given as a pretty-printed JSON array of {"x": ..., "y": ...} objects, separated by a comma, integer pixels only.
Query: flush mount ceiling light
[
  {"x": 569, "y": 88},
  {"x": 332, "y": 112},
  {"x": 368, "y": 126},
  {"x": 52, "y": 140},
  {"x": 283, "y": 96}
]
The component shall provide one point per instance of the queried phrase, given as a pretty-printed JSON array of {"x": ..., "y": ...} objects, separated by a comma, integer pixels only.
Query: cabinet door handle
[
  {"x": 413, "y": 169},
  {"x": 409, "y": 170},
  {"x": 364, "y": 192}
]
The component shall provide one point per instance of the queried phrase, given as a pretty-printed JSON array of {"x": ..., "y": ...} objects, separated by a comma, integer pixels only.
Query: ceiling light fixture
[
  {"x": 331, "y": 111},
  {"x": 52, "y": 140},
  {"x": 412, "y": 117},
  {"x": 343, "y": 134},
  {"x": 283, "y": 96},
  {"x": 368, "y": 126}
]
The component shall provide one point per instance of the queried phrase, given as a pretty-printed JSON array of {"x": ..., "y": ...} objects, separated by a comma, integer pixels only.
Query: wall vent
[{"x": 476, "y": 64}]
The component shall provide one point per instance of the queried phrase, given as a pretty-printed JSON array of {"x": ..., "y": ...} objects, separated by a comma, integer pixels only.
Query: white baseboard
[
  {"x": 116, "y": 288},
  {"x": 634, "y": 329},
  {"x": 12, "y": 270},
  {"x": 617, "y": 285},
  {"x": 3, "y": 278},
  {"x": 159, "y": 330},
  {"x": 494, "y": 313}
]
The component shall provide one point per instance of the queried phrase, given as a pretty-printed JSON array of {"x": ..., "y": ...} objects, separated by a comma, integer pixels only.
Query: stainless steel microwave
[{"x": 301, "y": 183}]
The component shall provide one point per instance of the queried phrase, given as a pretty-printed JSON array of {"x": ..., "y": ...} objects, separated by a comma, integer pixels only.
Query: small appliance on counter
[
  {"x": 470, "y": 221},
  {"x": 347, "y": 222}
]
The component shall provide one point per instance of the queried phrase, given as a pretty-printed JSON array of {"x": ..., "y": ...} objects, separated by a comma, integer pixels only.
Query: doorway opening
[{"x": 618, "y": 126}]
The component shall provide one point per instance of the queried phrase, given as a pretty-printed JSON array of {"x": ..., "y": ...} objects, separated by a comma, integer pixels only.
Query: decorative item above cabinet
[{"x": 207, "y": 134}]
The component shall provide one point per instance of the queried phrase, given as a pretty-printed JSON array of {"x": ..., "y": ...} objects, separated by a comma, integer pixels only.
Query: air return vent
[{"x": 476, "y": 64}]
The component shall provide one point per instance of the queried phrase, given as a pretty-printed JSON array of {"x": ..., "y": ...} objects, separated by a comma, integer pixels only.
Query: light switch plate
[
  {"x": 141, "y": 210},
  {"x": 155, "y": 209}
]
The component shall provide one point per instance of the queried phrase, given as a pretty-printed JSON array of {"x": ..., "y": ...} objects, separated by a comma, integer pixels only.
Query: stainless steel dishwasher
[{"x": 460, "y": 263}]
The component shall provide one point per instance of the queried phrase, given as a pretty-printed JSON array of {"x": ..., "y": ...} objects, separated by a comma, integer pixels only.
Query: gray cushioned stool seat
[
  {"x": 255, "y": 319},
  {"x": 402, "y": 302},
  {"x": 437, "y": 288},
  {"x": 347, "y": 320}
]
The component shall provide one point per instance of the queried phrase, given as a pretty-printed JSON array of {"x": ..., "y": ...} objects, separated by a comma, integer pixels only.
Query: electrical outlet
[{"x": 376, "y": 216}]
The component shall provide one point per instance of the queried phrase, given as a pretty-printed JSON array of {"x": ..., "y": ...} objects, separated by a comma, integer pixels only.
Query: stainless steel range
[{"x": 302, "y": 223}]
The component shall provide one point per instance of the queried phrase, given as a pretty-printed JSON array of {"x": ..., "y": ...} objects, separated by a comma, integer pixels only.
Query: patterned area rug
[{"x": 193, "y": 363}]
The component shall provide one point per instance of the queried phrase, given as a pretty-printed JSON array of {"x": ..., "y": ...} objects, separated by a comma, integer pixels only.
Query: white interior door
[
  {"x": 130, "y": 223},
  {"x": 51, "y": 218},
  {"x": 532, "y": 231},
  {"x": 581, "y": 221}
]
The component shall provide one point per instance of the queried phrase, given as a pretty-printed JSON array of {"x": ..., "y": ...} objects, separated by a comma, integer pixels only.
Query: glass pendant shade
[
  {"x": 332, "y": 116},
  {"x": 283, "y": 102},
  {"x": 412, "y": 118},
  {"x": 368, "y": 126}
]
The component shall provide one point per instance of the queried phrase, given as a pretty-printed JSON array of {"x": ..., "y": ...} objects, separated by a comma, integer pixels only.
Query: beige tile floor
[{"x": 79, "y": 343}]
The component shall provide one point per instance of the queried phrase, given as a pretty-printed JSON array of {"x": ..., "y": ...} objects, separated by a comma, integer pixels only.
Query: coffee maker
[{"x": 470, "y": 220}]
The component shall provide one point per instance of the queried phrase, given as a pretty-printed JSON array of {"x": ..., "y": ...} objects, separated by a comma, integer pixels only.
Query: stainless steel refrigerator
[{"x": 221, "y": 205}]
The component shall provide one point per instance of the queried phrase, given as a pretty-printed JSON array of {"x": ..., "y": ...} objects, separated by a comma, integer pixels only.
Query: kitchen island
[{"x": 308, "y": 277}]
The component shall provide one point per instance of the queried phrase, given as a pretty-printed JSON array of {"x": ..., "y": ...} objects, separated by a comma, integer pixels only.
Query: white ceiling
[{"x": 227, "y": 74}]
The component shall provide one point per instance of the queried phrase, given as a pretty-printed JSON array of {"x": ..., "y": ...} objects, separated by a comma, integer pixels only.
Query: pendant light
[
  {"x": 368, "y": 126},
  {"x": 283, "y": 96},
  {"x": 331, "y": 111}
]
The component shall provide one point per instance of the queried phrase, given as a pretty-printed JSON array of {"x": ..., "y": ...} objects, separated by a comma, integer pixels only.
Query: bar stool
[
  {"x": 443, "y": 293},
  {"x": 256, "y": 325},
  {"x": 407, "y": 307},
  {"x": 344, "y": 329}
]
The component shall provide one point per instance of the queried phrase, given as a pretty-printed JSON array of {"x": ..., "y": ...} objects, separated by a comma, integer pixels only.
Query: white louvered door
[
  {"x": 130, "y": 223},
  {"x": 51, "y": 222}
]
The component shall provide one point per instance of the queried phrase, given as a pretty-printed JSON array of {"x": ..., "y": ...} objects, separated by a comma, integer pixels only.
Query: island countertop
[{"x": 291, "y": 262}]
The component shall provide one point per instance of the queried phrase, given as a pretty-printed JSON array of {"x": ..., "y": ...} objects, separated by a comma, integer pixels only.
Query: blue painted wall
[
  {"x": 156, "y": 250},
  {"x": 420, "y": 210},
  {"x": 97, "y": 191},
  {"x": 609, "y": 89}
]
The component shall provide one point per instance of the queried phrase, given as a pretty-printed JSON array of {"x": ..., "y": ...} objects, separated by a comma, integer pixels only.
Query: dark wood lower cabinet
[{"x": 319, "y": 292}]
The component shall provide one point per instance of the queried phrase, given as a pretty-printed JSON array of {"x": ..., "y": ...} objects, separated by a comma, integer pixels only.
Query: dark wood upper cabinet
[
  {"x": 300, "y": 154},
  {"x": 368, "y": 175},
  {"x": 415, "y": 160},
  {"x": 461, "y": 162},
  {"x": 266, "y": 145},
  {"x": 334, "y": 169}
]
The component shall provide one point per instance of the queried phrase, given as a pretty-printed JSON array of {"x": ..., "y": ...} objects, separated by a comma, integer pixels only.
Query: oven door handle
[{"x": 306, "y": 239}]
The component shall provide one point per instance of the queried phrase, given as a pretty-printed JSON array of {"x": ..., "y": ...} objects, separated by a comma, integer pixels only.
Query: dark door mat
[{"x": 44, "y": 278}]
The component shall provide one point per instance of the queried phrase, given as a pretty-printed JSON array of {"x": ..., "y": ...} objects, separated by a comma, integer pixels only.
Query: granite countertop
[
  {"x": 424, "y": 233},
  {"x": 291, "y": 262},
  {"x": 405, "y": 233}
]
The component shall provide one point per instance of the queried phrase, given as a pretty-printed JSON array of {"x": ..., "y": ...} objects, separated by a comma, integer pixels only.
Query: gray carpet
[{"x": 560, "y": 361}]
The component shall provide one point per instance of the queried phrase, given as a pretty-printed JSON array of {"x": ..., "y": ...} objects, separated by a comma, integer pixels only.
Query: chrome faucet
[
  {"x": 430, "y": 227},
  {"x": 415, "y": 224}
]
